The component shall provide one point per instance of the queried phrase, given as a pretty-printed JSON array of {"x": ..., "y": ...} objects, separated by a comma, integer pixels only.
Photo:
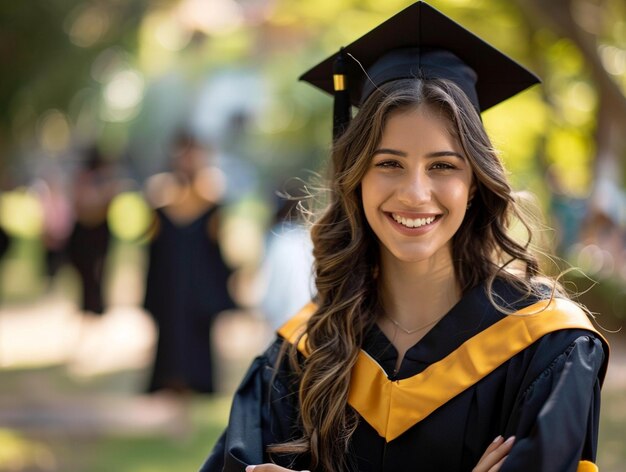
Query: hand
[
  {"x": 268, "y": 468},
  {"x": 494, "y": 456}
]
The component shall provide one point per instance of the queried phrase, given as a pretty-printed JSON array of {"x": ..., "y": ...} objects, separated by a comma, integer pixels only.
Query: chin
[{"x": 442, "y": 255}]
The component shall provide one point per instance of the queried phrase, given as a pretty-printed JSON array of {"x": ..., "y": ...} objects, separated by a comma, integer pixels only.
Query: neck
[{"x": 414, "y": 294}]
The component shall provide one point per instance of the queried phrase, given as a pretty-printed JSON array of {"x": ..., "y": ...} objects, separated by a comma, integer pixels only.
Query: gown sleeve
[
  {"x": 555, "y": 419},
  {"x": 261, "y": 414}
]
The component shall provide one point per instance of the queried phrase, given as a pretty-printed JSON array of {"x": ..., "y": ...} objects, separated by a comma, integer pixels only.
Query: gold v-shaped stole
[{"x": 392, "y": 407}]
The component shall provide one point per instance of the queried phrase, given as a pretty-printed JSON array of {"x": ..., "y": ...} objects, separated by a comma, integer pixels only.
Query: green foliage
[
  {"x": 54, "y": 49},
  {"x": 570, "y": 152},
  {"x": 52, "y": 46}
]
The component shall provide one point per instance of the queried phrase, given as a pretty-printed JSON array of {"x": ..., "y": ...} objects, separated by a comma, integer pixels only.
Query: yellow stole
[{"x": 392, "y": 407}]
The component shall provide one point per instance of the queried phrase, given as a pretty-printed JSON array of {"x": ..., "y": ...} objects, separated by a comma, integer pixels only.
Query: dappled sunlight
[
  {"x": 241, "y": 336},
  {"x": 40, "y": 334},
  {"x": 52, "y": 331},
  {"x": 121, "y": 339},
  {"x": 19, "y": 452}
]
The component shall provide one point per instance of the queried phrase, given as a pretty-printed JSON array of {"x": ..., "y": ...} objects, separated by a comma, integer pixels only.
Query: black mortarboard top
[{"x": 420, "y": 41}]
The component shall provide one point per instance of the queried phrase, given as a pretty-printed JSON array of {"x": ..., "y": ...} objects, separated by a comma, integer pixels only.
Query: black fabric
[
  {"x": 186, "y": 288},
  {"x": 342, "y": 113},
  {"x": 4, "y": 241},
  {"x": 87, "y": 249},
  {"x": 424, "y": 63},
  {"x": 264, "y": 411},
  {"x": 547, "y": 396}
]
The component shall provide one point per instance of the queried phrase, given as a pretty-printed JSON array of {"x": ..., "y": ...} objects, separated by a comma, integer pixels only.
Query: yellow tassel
[
  {"x": 587, "y": 466},
  {"x": 339, "y": 81}
]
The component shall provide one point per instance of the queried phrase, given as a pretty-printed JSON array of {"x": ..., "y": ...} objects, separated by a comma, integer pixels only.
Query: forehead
[{"x": 418, "y": 124}]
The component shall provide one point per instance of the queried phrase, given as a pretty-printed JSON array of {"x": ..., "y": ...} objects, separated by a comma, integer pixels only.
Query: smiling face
[{"x": 416, "y": 189}]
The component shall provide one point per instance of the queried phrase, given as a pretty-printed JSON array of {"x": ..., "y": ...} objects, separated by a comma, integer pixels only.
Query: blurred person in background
[
  {"x": 4, "y": 242},
  {"x": 287, "y": 269},
  {"x": 93, "y": 187},
  {"x": 58, "y": 218},
  {"x": 187, "y": 277}
]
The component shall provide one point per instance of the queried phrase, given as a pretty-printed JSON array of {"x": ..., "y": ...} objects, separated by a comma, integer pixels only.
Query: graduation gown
[
  {"x": 475, "y": 375},
  {"x": 88, "y": 248},
  {"x": 186, "y": 288}
]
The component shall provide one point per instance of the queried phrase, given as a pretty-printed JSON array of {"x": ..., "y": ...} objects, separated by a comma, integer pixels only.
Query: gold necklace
[{"x": 414, "y": 330}]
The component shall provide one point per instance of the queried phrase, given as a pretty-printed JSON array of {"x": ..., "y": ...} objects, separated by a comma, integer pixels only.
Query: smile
[{"x": 413, "y": 223}]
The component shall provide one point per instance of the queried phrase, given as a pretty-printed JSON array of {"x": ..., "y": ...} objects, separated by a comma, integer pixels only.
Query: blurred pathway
[
  {"x": 71, "y": 374},
  {"x": 52, "y": 331}
]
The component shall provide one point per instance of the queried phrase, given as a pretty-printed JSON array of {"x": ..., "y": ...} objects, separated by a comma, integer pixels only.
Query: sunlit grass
[
  {"x": 159, "y": 453},
  {"x": 44, "y": 446},
  {"x": 611, "y": 448},
  {"x": 21, "y": 453}
]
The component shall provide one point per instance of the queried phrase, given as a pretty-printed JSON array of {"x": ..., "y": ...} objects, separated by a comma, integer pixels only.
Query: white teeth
[{"x": 410, "y": 223}]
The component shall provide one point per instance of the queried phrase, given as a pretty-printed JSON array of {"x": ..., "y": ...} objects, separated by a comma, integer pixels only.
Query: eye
[
  {"x": 443, "y": 166},
  {"x": 388, "y": 164}
]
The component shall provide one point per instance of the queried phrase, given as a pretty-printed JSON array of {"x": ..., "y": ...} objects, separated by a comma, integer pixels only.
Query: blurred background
[{"x": 135, "y": 135}]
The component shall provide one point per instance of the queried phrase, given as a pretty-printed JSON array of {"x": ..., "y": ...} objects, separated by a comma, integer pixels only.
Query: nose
[{"x": 415, "y": 188}]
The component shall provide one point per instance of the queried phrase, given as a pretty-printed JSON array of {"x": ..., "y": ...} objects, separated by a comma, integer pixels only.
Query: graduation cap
[{"x": 420, "y": 41}]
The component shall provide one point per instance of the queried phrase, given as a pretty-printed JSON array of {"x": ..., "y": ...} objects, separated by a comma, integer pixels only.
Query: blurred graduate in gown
[
  {"x": 187, "y": 277},
  {"x": 94, "y": 186}
]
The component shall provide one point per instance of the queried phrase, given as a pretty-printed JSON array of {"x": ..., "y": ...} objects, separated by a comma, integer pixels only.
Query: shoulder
[
  {"x": 556, "y": 315},
  {"x": 563, "y": 330},
  {"x": 540, "y": 304},
  {"x": 511, "y": 296},
  {"x": 269, "y": 358},
  {"x": 292, "y": 330},
  {"x": 269, "y": 368},
  {"x": 566, "y": 352},
  {"x": 546, "y": 325}
]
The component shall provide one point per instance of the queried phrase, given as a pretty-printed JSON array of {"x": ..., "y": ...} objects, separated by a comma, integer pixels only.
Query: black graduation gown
[
  {"x": 186, "y": 288},
  {"x": 88, "y": 247},
  {"x": 547, "y": 395}
]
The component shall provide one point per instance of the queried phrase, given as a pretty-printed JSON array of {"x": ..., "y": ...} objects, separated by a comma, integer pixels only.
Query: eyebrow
[{"x": 395, "y": 152}]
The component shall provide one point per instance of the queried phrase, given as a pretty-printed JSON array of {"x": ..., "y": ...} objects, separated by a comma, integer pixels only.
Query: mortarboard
[{"x": 420, "y": 41}]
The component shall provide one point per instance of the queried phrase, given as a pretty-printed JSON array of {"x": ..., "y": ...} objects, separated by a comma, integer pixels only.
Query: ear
[{"x": 472, "y": 191}]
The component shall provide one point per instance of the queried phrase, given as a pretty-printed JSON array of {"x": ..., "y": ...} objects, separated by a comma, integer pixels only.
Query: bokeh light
[
  {"x": 129, "y": 216},
  {"x": 20, "y": 213},
  {"x": 54, "y": 131}
]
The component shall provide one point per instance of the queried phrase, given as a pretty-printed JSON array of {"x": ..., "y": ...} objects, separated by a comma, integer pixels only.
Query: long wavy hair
[{"x": 347, "y": 258}]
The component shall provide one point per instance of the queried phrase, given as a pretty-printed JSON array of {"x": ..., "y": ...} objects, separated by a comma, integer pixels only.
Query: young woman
[{"x": 433, "y": 343}]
